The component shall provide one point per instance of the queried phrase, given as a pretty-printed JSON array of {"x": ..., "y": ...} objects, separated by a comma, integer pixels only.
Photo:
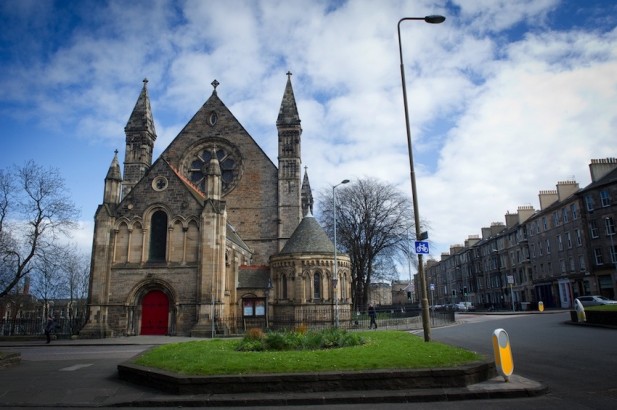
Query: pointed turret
[
  {"x": 288, "y": 113},
  {"x": 140, "y": 137},
  {"x": 113, "y": 180},
  {"x": 289, "y": 132},
  {"x": 307, "y": 195}
]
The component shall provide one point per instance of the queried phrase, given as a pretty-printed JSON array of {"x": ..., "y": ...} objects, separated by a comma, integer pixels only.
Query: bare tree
[
  {"x": 373, "y": 222},
  {"x": 35, "y": 212},
  {"x": 47, "y": 280},
  {"x": 76, "y": 268}
]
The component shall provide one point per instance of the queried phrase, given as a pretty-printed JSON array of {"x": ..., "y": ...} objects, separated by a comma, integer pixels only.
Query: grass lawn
[
  {"x": 382, "y": 350},
  {"x": 604, "y": 308}
]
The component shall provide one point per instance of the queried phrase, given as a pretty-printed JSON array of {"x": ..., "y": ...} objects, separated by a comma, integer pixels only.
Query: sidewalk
[{"x": 30, "y": 384}]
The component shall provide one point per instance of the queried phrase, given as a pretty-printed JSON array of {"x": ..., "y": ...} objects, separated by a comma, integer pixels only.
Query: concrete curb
[
  {"x": 495, "y": 388},
  {"x": 338, "y": 381},
  {"x": 473, "y": 382}
]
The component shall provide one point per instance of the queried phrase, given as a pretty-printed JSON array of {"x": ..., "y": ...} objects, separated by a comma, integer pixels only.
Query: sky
[{"x": 506, "y": 97}]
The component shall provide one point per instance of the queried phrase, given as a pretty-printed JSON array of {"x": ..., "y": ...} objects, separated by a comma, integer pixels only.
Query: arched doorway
[{"x": 154, "y": 313}]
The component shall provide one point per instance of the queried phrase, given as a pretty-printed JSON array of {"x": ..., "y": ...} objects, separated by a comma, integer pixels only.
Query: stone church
[{"x": 212, "y": 237}]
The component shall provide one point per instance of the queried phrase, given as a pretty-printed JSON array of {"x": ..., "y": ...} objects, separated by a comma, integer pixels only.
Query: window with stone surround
[{"x": 158, "y": 236}]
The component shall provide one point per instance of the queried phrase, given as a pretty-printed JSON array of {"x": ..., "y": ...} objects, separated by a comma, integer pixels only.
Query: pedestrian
[
  {"x": 49, "y": 327},
  {"x": 373, "y": 315}
]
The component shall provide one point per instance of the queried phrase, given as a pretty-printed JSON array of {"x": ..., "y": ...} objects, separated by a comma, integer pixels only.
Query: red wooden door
[{"x": 154, "y": 313}]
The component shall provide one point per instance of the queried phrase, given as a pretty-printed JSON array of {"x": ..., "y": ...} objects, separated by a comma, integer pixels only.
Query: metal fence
[
  {"x": 386, "y": 319},
  {"x": 64, "y": 327},
  {"x": 389, "y": 320}
]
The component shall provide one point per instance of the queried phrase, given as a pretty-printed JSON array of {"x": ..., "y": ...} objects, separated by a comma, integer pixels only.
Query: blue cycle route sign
[{"x": 422, "y": 247}]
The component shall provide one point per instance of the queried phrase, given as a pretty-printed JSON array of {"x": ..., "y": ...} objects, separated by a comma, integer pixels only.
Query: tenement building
[
  {"x": 211, "y": 237},
  {"x": 566, "y": 249}
]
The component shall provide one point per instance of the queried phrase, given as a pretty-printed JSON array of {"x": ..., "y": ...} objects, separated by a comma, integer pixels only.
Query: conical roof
[
  {"x": 288, "y": 113},
  {"x": 308, "y": 237},
  {"x": 306, "y": 194},
  {"x": 114, "y": 169},
  {"x": 141, "y": 117}
]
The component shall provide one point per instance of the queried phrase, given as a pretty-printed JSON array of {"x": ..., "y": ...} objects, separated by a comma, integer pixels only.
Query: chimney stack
[{"x": 600, "y": 167}]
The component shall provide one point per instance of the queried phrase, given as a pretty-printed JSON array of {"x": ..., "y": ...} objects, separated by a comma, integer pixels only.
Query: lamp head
[
  {"x": 345, "y": 181},
  {"x": 434, "y": 19}
]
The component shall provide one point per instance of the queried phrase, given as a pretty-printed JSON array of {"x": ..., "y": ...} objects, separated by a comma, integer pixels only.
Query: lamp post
[
  {"x": 335, "y": 271},
  {"x": 267, "y": 293},
  {"x": 498, "y": 281},
  {"x": 610, "y": 231},
  {"x": 425, "y": 312}
]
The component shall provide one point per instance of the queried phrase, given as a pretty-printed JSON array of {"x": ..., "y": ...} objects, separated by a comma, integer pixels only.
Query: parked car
[
  {"x": 460, "y": 307},
  {"x": 464, "y": 307},
  {"x": 595, "y": 300}
]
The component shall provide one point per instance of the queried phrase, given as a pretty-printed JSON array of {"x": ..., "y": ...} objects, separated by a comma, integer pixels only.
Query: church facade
[{"x": 212, "y": 236}]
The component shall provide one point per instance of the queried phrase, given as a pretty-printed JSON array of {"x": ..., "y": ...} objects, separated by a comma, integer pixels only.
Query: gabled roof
[
  {"x": 308, "y": 237},
  {"x": 191, "y": 187},
  {"x": 199, "y": 130}
]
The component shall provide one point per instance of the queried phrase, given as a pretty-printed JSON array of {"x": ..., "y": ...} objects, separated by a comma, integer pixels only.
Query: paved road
[{"x": 576, "y": 362}]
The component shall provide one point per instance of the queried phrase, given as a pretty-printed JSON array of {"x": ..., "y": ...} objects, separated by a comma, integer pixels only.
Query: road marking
[{"x": 76, "y": 367}]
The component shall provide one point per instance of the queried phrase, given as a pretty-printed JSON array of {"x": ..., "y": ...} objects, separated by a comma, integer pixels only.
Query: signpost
[
  {"x": 422, "y": 247},
  {"x": 510, "y": 282}
]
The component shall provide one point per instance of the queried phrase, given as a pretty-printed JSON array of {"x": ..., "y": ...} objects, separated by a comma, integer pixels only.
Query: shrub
[
  {"x": 301, "y": 329},
  {"x": 250, "y": 345},
  {"x": 255, "y": 333},
  {"x": 277, "y": 341},
  {"x": 294, "y": 340}
]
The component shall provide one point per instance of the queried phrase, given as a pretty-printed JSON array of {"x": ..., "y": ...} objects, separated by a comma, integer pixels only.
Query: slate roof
[
  {"x": 233, "y": 236},
  {"x": 253, "y": 276},
  {"x": 308, "y": 237}
]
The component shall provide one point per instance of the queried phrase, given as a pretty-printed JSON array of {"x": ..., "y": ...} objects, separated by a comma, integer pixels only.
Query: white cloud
[{"x": 493, "y": 120}]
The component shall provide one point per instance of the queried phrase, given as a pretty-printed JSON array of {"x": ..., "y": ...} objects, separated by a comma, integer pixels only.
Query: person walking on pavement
[
  {"x": 49, "y": 327},
  {"x": 373, "y": 315}
]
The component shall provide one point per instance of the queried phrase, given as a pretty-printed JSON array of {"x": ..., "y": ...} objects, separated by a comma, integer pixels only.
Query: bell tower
[
  {"x": 289, "y": 163},
  {"x": 140, "y": 137}
]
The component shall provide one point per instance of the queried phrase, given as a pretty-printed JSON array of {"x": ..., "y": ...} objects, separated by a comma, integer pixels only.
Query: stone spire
[
  {"x": 140, "y": 137},
  {"x": 307, "y": 195},
  {"x": 289, "y": 163},
  {"x": 112, "y": 182},
  {"x": 288, "y": 113}
]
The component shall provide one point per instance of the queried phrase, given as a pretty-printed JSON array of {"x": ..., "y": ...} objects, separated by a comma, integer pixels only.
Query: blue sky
[{"x": 506, "y": 97}]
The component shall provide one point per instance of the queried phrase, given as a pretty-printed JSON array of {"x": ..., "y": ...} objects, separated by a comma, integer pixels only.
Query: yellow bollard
[
  {"x": 541, "y": 306},
  {"x": 580, "y": 311},
  {"x": 503, "y": 353}
]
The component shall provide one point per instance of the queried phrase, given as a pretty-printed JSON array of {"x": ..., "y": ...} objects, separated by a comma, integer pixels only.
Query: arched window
[
  {"x": 158, "y": 236},
  {"x": 317, "y": 286},
  {"x": 284, "y": 285}
]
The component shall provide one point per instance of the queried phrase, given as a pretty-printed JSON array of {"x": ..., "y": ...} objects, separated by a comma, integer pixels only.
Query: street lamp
[
  {"x": 498, "y": 281},
  {"x": 335, "y": 273},
  {"x": 610, "y": 231},
  {"x": 267, "y": 294},
  {"x": 425, "y": 312}
]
